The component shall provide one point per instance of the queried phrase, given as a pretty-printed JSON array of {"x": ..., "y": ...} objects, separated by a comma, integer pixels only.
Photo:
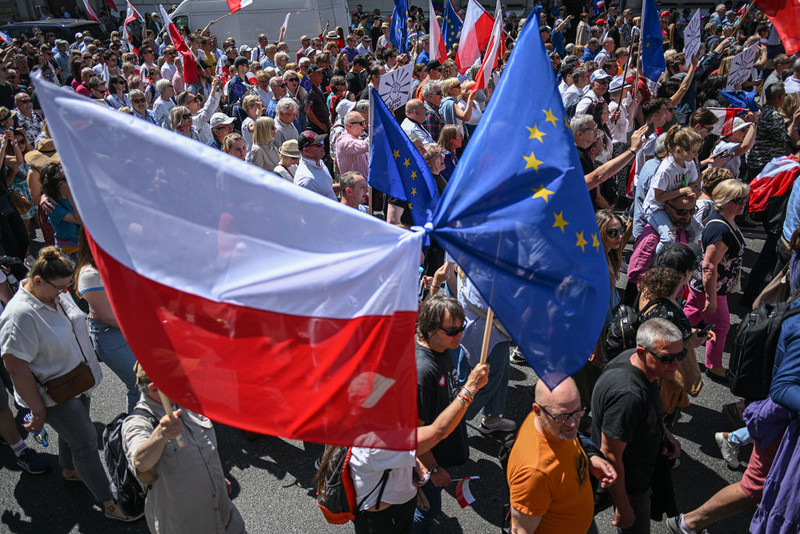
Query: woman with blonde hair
[
  {"x": 450, "y": 140},
  {"x": 252, "y": 105},
  {"x": 290, "y": 157},
  {"x": 451, "y": 93},
  {"x": 180, "y": 121},
  {"x": 263, "y": 153}
]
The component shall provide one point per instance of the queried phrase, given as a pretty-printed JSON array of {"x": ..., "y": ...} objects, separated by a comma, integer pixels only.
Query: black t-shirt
[
  {"x": 437, "y": 386},
  {"x": 355, "y": 82},
  {"x": 627, "y": 407},
  {"x": 730, "y": 266},
  {"x": 317, "y": 100},
  {"x": 588, "y": 166}
]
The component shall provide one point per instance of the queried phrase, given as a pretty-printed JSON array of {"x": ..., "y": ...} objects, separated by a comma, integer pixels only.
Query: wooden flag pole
[
  {"x": 219, "y": 19},
  {"x": 739, "y": 22},
  {"x": 487, "y": 333},
  {"x": 168, "y": 408}
]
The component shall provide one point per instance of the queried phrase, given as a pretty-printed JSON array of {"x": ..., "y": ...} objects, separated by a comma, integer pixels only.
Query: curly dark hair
[{"x": 660, "y": 282}]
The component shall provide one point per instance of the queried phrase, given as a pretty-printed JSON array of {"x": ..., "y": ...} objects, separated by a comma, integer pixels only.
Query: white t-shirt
[
  {"x": 668, "y": 177},
  {"x": 792, "y": 85},
  {"x": 168, "y": 71},
  {"x": 89, "y": 280},
  {"x": 571, "y": 94},
  {"x": 367, "y": 467}
]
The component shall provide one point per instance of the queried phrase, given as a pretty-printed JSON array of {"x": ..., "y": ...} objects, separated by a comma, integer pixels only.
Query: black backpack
[
  {"x": 338, "y": 500},
  {"x": 126, "y": 489},
  {"x": 754, "y": 346},
  {"x": 621, "y": 330}
]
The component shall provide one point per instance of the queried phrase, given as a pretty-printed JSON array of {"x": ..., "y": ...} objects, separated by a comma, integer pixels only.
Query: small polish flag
[
  {"x": 90, "y": 11},
  {"x": 437, "y": 47},
  {"x": 493, "y": 51},
  {"x": 5, "y": 37},
  {"x": 463, "y": 494},
  {"x": 725, "y": 115},
  {"x": 236, "y": 5}
]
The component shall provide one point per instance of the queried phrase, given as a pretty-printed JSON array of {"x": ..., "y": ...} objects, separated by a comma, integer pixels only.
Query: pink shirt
[
  {"x": 352, "y": 154},
  {"x": 644, "y": 250}
]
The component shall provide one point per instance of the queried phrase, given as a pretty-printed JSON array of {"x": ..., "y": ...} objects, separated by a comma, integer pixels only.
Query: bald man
[{"x": 548, "y": 469}]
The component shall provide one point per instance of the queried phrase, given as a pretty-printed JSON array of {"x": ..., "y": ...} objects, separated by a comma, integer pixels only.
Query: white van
[{"x": 308, "y": 17}]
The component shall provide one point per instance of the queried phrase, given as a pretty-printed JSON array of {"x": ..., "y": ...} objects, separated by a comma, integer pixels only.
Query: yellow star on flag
[
  {"x": 595, "y": 243},
  {"x": 550, "y": 117},
  {"x": 413, "y": 191},
  {"x": 396, "y": 154},
  {"x": 532, "y": 162},
  {"x": 560, "y": 222},
  {"x": 536, "y": 133},
  {"x": 413, "y": 174},
  {"x": 581, "y": 241},
  {"x": 410, "y": 206},
  {"x": 542, "y": 192},
  {"x": 406, "y": 162}
]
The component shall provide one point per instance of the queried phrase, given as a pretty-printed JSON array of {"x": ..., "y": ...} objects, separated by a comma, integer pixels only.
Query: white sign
[
  {"x": 395, "y": 86},
  {"x": 742, "y": 67},
  {"x": 285, "y": 22},
  {"x": 691, "y": 38}
]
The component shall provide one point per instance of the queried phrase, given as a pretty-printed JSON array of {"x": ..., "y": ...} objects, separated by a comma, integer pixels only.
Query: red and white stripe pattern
[
  {"x": 237, "y": 291},
  {"x": 236, "y": 5},
  {"x": 437, "y": 49},
  {"x": 130, "y": 16},
  {"x": 463, "y": 494},
  {"x": 90, "y": 12},
  {"x": 492, "y": 51},
  {"x": 5, "y": 37},
  {"x": 475, "y": 35},
  {"x": 725, "y": 115}
]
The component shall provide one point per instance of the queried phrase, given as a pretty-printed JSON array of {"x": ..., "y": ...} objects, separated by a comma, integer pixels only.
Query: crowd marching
[{"x": 675, "y": 164}]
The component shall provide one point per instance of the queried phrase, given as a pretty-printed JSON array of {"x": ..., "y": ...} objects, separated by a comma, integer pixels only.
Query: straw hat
[
  {"x": 45, "y": 153},
  {"x": 290, "y": 149}
]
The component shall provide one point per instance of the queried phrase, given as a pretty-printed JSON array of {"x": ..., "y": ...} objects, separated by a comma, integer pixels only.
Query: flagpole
[
  {"x": 464, "y": 478},
  {"x": 739, "y": 22},
  {"x": 487, "y": 333},
  {"x": 168, "y": 408},
  {"x": 222, "y": 17},
  {"x": 371, "y": 115}
]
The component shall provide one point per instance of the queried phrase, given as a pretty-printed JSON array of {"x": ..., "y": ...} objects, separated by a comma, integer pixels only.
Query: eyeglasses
[
  {"x": 138, "y": 100},
  {"x": 293, "y": 79},
  {"x": 614, "y": 232},
  {"x": 60, "y": 289},
  {"x": 741, "y": 200},
  {"x": 436, "y": 93},
  {"x": 362, "y": 123},
  {"x": 681, "y": 212},
  {"x": 667, "y": 358},
  {"x": 454, "y": 331},
  {"x": 562, "y": 418}
]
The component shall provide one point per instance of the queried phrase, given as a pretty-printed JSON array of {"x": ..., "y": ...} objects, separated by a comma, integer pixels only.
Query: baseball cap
[
  {"x": 366, "y": 38},
  {"x": 434, "y": 64},
  {"x": 616, "y": 83},
  {"x": 244, "y": 48},
  {"x": 386, "y": 25},
  {"x": 220, "y": 119},
  {"x": 314, "y": 68},
  {"x": 241, "y": 60},
  {"x": 600, "y": 75},
  {"x": 600, "y": 21},
  {"x": 309, "y": 138},
  {"x": 666, "y": 13}
]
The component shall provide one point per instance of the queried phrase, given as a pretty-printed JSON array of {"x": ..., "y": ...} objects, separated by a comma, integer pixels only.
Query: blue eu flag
[
  {"x": 652, "y": 42},
  {"x": 396, "y": 167},
  {"x": 398, "y": 31},
  {"x": 451, "y": 25},
  {"x": 517, "y": 218},
  {"x": 741, "y": 99}
]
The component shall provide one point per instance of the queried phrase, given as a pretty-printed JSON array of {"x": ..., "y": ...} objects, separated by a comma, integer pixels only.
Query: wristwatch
[{"x": 433, "y": 470}]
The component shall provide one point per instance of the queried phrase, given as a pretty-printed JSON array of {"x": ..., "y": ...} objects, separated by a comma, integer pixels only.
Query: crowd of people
[{"x": 664, "y": 179}]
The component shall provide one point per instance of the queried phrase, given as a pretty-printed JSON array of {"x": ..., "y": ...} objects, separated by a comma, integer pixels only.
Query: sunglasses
[
  {"x": 614, "y": 232},
  {"x": 28, "y": 101},
  {"x": 562, "y": 418},
  {"x": 187, "y": 116},
  {"x": 667, "y": 358},
  {"x": 454, "y": 331},
  {"x": 359, "y": 122},
  {"x": 436, "y": 93},
  {"x": 681, "y": 212},
  {"x": 741, "y": 200},
  {"x": 138, "y": 100}
]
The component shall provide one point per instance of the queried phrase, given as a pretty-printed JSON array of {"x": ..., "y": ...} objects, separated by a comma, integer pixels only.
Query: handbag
[
  {"x": 778, "y": 290},
  {"x": 75, "y": 382}
]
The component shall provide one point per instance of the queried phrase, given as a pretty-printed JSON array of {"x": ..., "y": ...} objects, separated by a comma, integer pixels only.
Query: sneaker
[
  {"x": 517, "y": 357},
  {"x": 730, "y": 452},
  {"x": 32, "y": 462},
  {"x": 673, "y": 525},
  {"x": 112, "y": 511},
  {"x": 500, "y": 424}
]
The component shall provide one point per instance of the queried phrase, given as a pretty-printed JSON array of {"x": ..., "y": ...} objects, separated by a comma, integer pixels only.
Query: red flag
[
  {"x": 436, "y": 41},
  {"x": 90, "y": 12},
  {"x": 475, "y": 35},
  {"x": 492, "y": 51},
  {"x": 463, "y": 494},
  {"x": 190, "y": 74},
  {"x": 262, "y": 315},
  {"x": 725, "y": 116},
  {"x": 236, "y": 5},
  {"x": 130, "y": 16},
  {"x": 112, "y": 7},
  {"x": 785, "y": 16}
]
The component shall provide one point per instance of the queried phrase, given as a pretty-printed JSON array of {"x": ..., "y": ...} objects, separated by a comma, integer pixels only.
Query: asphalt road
[{"x": 272, "y": 477}]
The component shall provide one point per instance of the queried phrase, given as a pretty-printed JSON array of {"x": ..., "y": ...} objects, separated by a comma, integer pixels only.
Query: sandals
[{"x": 113, "y": 511}]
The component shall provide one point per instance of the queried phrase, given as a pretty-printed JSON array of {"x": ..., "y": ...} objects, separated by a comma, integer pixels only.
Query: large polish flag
[
  {"x": 725, "y": 116},
  {"x": 437, "y": 49},
  {"x": 260, "y": 304},
  {"x": 90, "y": 12},
  {"x": 492, "y": 51},
  {"x": 236, "y": 5},
  {"x": 785, "y": 17},
  {"x": 475, "y": 35},
  {"x": 190, "y": 72}
]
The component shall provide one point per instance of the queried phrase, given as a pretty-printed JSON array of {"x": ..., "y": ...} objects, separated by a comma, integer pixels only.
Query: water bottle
[{"x": 42, "y": 438}]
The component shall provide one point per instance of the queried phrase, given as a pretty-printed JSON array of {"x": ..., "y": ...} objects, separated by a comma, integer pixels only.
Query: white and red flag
[
  {"x": 130, "y": 16},
  {"x": 238, "y": 292},
  {"x": 463, "y": 493},
  {"x": 190, "y": 73},
  {"x": 436, "y": 47},
  {"x": 475, "y": 35},
  {"x": 90, "y": 12},
  {"x": 493, "y": 51},
  {"x": 236, "y": 5},
  {"x": 724, "y": 125},
  {"x": 773, "y": 184}
]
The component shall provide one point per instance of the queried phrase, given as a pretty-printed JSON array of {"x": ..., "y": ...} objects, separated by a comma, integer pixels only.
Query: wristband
[
  {"x": 632, "y": 151},
  {"x": 433, "y": 470}
]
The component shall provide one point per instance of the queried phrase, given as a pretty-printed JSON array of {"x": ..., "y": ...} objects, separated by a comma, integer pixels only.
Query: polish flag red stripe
[
  {"x": 475, "y": 35},
  {"x": 463, "y": 494},
  {"x": 90, "y": 12},
  {"x": 492, "y": 51},
  {"x": 436, "y": 42},
  {"x": 236, "y": 5}
]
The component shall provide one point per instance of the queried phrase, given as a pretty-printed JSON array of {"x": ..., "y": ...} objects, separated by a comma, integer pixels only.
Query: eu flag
[
  {"x": 398, "y": 31},
  {"x": 517, "y": 218},
  {"x": 396, "y": 167},
  {"x": 741, "y": 99},
  {"x": 652, "y": 42},
  {"x": 451, "y": 25}
]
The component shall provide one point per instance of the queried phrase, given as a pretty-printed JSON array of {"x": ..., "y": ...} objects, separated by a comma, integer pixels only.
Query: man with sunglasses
[
  {"x": 599, "y": 80},
  {"x": 627, "y": 419},
  {"x": 548, "y": 468},
  {"x": 352, "y": 148},
  {"x": 439, "y": 330}
]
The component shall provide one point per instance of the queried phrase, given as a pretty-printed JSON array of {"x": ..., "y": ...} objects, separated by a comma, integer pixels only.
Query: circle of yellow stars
[{"x": 542, "y": 193}]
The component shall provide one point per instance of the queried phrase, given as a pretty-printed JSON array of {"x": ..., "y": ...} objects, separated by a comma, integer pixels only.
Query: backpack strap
[{"x": 382, "y": 485}]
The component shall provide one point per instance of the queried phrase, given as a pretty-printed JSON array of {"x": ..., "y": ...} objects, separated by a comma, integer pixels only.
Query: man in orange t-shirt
[{"x": 548, "y": 470}]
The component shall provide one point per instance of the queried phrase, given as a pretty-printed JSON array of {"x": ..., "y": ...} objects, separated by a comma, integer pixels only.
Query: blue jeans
[
  {"x": 659, "y": 220},
  {"x": 423, "y": 520},
  {"x": 492, "y": 397},
  {"x": 740, "y": 437},
  {"x": 77, "y": 444},
  {"x": 112, "y": 348}
]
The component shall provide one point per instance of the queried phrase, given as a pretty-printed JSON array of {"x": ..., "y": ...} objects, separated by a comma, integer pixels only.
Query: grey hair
[
  {"x": 657, "y": 329},
  {"x": 348, "y": 179},
  {"x": 580, "y": 122},
  {"x": 429, "y": 87},
  {"x": 162, "y": 84},
  {"x": 135, "y": 94},
  {"x": 284, "y": 104},
  {"x": 362, "y": 106}
]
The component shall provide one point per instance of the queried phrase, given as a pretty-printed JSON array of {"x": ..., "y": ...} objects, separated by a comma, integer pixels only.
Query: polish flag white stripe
[
  {"x": 469, "y": 50},
  {"x": 436, "y": 41},
  {"x": 724, "y": 125},
  {"x": 90, "y": 11},
  {"x": 463, "y": 494},
  {"x": 490, "y": 58},
  {"x": 236, "y": 5}
]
